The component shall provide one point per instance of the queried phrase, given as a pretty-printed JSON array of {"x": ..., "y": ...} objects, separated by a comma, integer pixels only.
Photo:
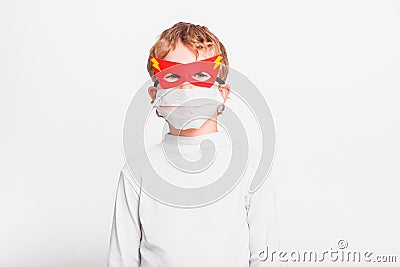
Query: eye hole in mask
[
  {"x": 171, "y": 77},
  {"x": 202, "y": 76}
]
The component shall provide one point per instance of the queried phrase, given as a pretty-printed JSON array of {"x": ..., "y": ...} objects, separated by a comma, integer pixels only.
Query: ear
[
  {"x": 152, "y": 92},
  {"x": 225, "y": 90}
]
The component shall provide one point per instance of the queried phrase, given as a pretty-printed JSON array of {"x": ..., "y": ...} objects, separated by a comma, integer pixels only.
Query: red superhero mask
[{"x": 199, "y": 73}]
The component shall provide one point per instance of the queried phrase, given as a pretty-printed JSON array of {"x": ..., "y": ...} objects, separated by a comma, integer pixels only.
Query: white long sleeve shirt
[{"x": 230, "y": 232}]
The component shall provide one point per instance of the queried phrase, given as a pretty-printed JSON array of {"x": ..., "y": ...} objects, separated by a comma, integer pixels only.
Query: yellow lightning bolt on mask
[
  {"x": 155, "y": 64},
  {"x": 217, "y": 62}
]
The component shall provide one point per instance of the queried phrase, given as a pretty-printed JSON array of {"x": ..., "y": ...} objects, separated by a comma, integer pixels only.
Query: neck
[{"x": 210, "y": 126}]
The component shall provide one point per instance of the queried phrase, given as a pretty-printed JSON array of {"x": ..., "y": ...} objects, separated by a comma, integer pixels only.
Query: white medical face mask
[{"x": 187, "y": 108}]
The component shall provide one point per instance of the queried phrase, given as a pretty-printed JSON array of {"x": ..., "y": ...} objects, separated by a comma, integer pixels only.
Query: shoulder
[
  {"x": 135, "y": 165},
  {"x": 258, "y": 169}
]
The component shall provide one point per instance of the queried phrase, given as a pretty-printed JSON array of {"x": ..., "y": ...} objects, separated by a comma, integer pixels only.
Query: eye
[
  {"x": 202, "y": 76},
  {"x": 171, "y": 77}
]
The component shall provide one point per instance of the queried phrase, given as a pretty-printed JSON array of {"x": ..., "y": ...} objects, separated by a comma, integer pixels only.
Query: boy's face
[{"x": 182, "y": 54}]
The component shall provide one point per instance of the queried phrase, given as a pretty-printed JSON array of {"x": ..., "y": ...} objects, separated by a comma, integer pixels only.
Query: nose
[{"x": 186, "y": 85}]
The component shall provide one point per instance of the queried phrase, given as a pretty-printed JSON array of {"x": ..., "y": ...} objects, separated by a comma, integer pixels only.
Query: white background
[{"x": 68, "y": 70}]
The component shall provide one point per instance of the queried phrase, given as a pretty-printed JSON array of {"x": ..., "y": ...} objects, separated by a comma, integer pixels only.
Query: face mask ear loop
[
  {"x": 158, "y": 114},
  {"x": 220, "y": 109}
]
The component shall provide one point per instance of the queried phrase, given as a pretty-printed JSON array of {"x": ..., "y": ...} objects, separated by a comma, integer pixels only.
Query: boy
[{"x": 229, "y": 232}]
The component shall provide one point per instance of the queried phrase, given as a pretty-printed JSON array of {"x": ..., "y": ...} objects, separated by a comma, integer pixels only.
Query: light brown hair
[{"x": 195, "y": 37}]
